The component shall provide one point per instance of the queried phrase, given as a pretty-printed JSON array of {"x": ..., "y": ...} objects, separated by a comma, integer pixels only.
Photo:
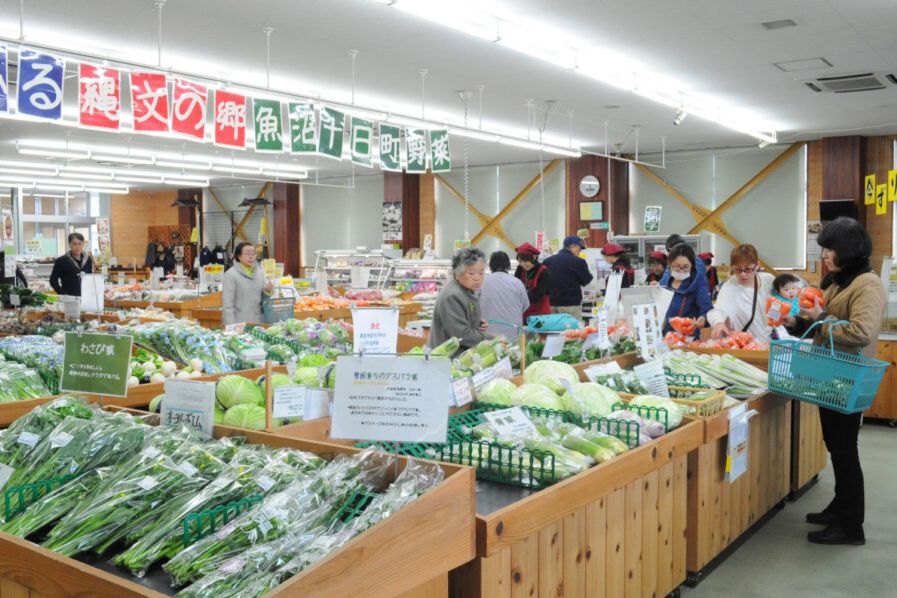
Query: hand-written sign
[
  {"x": 189, "y": 403},
  {"x": 376, "y": 330},
  {"x": 97, "y": 363}
]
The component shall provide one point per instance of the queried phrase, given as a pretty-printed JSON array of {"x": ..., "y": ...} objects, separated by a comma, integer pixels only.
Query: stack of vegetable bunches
[
  {"x": 132, "y": 485},
  {"x": 740, "y": 379},
  {"x": 572, "y": 351},
  {"x": 27, "y": 297},
  {"x": 38, "y": 352},
  {"x": 181, "y": 341},
  {"x": 19, "y": 382},
  {"x": 240, "y": 401},
  {"x": 331, "y": 337},
  {"x": 485, "y": 355},
  {"x": 148, "y": 367}
]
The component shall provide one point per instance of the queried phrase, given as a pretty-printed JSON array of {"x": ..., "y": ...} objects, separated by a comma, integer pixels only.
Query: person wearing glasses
[
  {"x": 243, "y": 287},
  {"x": 741, "y": 301},
  {"x": 690, "y": 296}
]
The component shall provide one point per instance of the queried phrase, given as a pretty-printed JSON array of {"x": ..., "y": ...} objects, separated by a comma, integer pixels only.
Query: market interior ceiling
[{"x": 713, "y": 47}]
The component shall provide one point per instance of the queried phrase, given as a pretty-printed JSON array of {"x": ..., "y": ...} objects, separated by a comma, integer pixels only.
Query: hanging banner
[
  {"x": 440, "y": 153},
  {"x": 892, "y": 185},
  {"x": 189, "y": 114},
  {"x": 149, "y": 101},
  {"x": 415, "y": 150},
  {"x": 230, "y": 119},
  {"x": 8, "y": 228},
  {"x": 268, "y": 125},
  {"x": 303, "y": 128},
  {"x": 99, "y": 96},
  {"x": 330, "y": 133},
  {"x": 40, "y": 81},
  {"x": 361, "y": 142},
  {"x": 881, "y": 199},
  {"x": 869, "y": 190},
  {"x": 4, "y": 79},
  {"x": 390, "y": 148}
]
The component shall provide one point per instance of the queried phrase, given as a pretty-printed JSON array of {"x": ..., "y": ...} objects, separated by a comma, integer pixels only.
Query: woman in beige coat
[{"x": 852, "y": 292}]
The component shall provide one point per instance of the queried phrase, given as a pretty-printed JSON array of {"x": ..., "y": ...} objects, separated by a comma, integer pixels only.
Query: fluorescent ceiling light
[
  {"x": 537, "y": 45},
  {"x": 29, "y": 172},
  {"x": 449, "y": 14},
  {"x": 519, "y": 143},
  {"x": 184, "y": 165},
  {"x": 70, "y": 155},
  {"x": 20, "y": 164},
  {"x": 475, "y": 135},
  {"x": 232, "y": 170},
  {"x": 285, "y": 175},
  {"x": 115, "y": 190},
  {"x": 122, "y": 159},
  {"x": 137, "y": 179},
  {"x": 174, "y": 181}
]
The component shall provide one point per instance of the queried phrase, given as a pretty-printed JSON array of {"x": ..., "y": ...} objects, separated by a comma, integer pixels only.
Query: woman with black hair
[
  {"x": 855, "y": 293},
  {"x": 535, "y": 278},
  {"x": 243, "y": 288},
  {"x": 690, "y": 296}
]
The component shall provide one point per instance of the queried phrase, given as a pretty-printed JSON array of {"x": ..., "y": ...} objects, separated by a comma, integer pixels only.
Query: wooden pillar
[
  {"x": 404, "y": 189},
  {"x": 287, "y": 227},
  {"x": 879, "y": 159},
  {"x": 613, "y": 177},
  {"x": 187, "y": 216},
  {"x": 428, "y": 208},
  {"x": 842, "y": 170}
]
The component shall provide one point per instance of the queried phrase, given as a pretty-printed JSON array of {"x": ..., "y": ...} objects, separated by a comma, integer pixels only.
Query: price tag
[
  {"x": 28, "y": 439},
  {"x": 603, "y": 369},
  {"x": 237, "y": 328},
  {"x": 503, "y": 369},
  {"x": 265, "y": 483},
  {"x": 289, "y": 401},
  {"x": 151, "y": 452},
  {"x": 14, "y": 300},
  {"x": 264, "y": 526},
  {"x": 510, "y": 422},
  {"x": 72, "y": 308},
  {"x": 5, "y": 472},
  {"x": 480, "y": 379},
  {"x": 462, "y": 392},
  {"x": 60, "y": 440},
  {"x": 653, "y": 377},
  {"x": 321, "y": 282},
  {"x": 148, "y": 483},
  {"x": 188, "y": 469},
  {"x": 317, "y": 403},
  {"x": 603, "y": 341},
  {"x": 179, "y": 271},
  {"x": 554, "y": 344},
  {"x": 189, "y": 403}
]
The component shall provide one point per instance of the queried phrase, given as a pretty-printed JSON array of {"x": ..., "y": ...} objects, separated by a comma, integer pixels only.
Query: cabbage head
[
  {"x": 307, "y": 377},
  {"x": 536, "y": 395},
  {"x": 313, "y": 360},
  {"x": 245, "y": 415},
  {"x": 550, "y": 373},
  {"x": 590, "y": 399},
  {"x": 497, "y": 392},
  {"x": 219, "y": 414},
  {"x": 234, "y": 390},
  {"x": 674, "y": 411}
]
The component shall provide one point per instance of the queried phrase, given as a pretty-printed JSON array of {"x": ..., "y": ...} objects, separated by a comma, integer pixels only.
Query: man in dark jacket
[
  {"x": 67, "y": 269},
  {"x": 569, "y": 273}
]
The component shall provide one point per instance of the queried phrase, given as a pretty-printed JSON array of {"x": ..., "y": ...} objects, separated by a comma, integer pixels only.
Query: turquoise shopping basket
[{"x": 820, "y": 375}]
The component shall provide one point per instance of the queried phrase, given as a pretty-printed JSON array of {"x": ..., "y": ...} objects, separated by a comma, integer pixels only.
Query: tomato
[{"x": 809, "y": 296}]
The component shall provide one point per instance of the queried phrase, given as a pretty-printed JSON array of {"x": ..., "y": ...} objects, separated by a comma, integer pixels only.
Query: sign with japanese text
[
  {"x": 303, "y": 128},
  {"x": 648, "y": 333},
  {"x": 189, "y": 108},
  {"x": 440, "y": 152},
  {"x": 462, "y": 392},
  {"x": 99, "y": 96},
  {"x": 268, "y": 124},
  {"x": 96, "y": 363},
  {"x": 391, "y": 399},
  {"x": 390, "y": 148},
  {"x": 4, "y": 79},
  {"x": 653, "y": 377},
  {"x": 881, "y": 199},
  {"x": 189, "y": 403},
  {"x": 415, "y": 150},
  {"x": 149, "y": 101},
  {"x": 892, "y": 185},
  {"x": 39, "y": 88},
  {"x": 869, "y": 190},
  {"x": 288, "y": 402},
  {"x": 331, "y": 133},
  {"x": 375, "y": 329},
  {"x": 230, "y": 119},
  {"x": 652, "y": 219},
  {"x": 509, "y": 423},
  {"x": 361, "y": 142}
]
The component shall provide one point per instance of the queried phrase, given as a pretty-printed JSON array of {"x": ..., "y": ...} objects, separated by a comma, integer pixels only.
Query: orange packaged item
[
  {"x": 675, "y": 339},
  {"x": 776, "y": 311},
  {"x": 684, "y": 326},
  {"x": 808, "y": 297}
]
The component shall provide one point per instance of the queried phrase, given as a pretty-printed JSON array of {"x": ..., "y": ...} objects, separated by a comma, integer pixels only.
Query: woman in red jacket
[{"x": 535, "y": 278}]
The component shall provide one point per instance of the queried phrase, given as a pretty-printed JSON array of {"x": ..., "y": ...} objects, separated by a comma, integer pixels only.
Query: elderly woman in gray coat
[
  {"x": 457, "y": 312},
  {"x": 243, "y": 288}
]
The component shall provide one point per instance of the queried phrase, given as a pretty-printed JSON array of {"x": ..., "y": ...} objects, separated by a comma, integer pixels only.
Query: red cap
[
  {"x": 706, "y": 255},
  {"x": 527, "y": 248},
  {"x": 612, "y": 249},
  {"x": 658, "y": 255}
]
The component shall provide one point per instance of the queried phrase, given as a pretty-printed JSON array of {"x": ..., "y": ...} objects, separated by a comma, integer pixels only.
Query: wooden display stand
[
  {"x": 719, "y": 511},
  {"x": 885, "y": 405},
  {"x": 180, "y": 309},
  {"x": 211, "y": 317},
  {"x": 808, "y": 453},
  {"x": 408, "y": 554},
  {"x": 759, "y": 359}
]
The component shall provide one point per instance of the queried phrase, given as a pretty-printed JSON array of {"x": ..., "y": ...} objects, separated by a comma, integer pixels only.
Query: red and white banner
[
  {"x": 230, "y": 119},
  {"x": 189, "y": 108},
  {"x": 149, "y": 101},
  {"x": 99, "y": 96}
]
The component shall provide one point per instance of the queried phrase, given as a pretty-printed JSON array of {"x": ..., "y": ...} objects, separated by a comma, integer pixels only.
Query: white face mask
[{"x": 679, "y": 275}]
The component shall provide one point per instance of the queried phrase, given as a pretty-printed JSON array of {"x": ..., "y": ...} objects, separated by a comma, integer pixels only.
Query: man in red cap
[
  {"x": 657, "y": 265},
  {"x": 619, "y": 261},
  {"x": 536, "y": 278},
  {"x": 712, "y": 276}
]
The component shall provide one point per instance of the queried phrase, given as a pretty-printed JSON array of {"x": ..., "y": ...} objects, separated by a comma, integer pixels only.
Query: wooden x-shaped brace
[{"x": 496, "y": 231}]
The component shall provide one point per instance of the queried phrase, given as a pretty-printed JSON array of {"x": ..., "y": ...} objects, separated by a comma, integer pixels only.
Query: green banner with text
[{"x": 96, "y": 363}]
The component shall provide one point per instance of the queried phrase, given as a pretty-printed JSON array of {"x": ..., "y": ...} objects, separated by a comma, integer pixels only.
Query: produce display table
[
  {"x": 211, "y": 317},
  {"x": 408, "y": 554},
  {"x": 808, "y": 453},
  {"x": 758, "y": 359},
  {"x": 885, "y": 405},
  {"x": 181, "y": 309},
  {"x": 719, "y": 511},
  {"x": 624, "y": 360}
]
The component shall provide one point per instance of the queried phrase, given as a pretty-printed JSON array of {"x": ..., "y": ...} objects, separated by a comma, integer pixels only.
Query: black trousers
[{"x": 840, "y": 433}]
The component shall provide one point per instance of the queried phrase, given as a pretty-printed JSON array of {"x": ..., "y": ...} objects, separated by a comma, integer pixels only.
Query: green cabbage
[
  {"x": 219, "y": 414},
  {"x": 307, "y": 377},
  {"x": 674, "y": 411},
  {"x": 236, "y": 390},
  {"x": 245, "y": 415},
  {"x": 313, "y": 360},
  {"x": 590, "y": 399},
  {"x": 497, "y": 392},
  {"x": 550, "y": 373},
  {"x": 536, "y": 395}
]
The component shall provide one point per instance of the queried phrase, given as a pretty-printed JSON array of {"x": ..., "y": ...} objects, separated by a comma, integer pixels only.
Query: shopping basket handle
[
  {"x": 506, "y": 323},
  {"x": 832, "y": 324}
]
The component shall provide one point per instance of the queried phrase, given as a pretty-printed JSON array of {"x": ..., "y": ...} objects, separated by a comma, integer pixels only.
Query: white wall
[
  {"x": 492, "y": 188},
  {"x": 772, "y": 216}
]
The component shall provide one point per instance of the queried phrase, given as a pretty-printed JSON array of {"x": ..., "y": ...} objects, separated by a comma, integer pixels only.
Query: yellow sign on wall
[
  {"x": 869, "y": 190},
  {"x": 892, "y": 185},
  {"x": 881, "y": 199}
]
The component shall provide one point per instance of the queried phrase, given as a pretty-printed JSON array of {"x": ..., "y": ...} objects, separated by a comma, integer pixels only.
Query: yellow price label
[
  {"x": 881, "y": 200},
  {"x": 869, "y": 190},
  {"x": 892, "y": 185}
]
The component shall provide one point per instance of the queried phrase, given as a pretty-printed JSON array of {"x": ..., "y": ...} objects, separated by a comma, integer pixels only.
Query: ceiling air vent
[{"x": 851, "y": 83}]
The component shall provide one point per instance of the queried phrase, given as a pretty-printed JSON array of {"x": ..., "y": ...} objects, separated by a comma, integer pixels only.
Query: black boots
[
  {"x": 837, "y": 534},
  {"x": 821, "y": 518}
]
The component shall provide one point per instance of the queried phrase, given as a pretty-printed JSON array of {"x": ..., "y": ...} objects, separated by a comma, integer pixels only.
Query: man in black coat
[
  {"x": 68, "y": 268},
  {"x": 569, "y": 273}
]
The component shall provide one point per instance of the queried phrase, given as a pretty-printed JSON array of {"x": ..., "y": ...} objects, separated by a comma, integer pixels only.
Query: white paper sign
[
  {"x": 5, "y": 472},
  {"x": 15, "y": 300},
  {"x": 392, "y": 399},
  {"x": 71, "y": 307},
  {"x": 602, "y": 369},
  {"x": 462, "y": 392},
  {"x": 359, "y": 277},
  {"x": 612, "y": 293},
  {"x": 510, "y": 422},
  {"x": 653, "y": 377},
  {"x": 288, "y": 401},
  {"x": 648, "y": 333},
  {"x": 237, "y": 328},
  {"x": 92, "y": 292},
  {"x": 9, "y": 265},
  {"x": 603, "y": 341},
  {"x": 480, "y": 379},
  {"x": 375, "y": 330},
  {"x": 737, "y": 448},
  {"x": 554, "y": 344},
  {"x": 121, "y": 279},
  {"x": 321, "y": 282},
  {"x": 317, "y": 403},
  {"x": 503, "y": 369},
  {"x": 189, "y": 403}
]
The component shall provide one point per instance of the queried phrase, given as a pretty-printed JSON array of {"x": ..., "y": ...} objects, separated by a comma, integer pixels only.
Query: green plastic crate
[
  {"x": 199, "y": 525},
  {"x": 502, "y": 463},
  {"x": 28, "y": 494},
  {"x": 656, "y": 413},
  {"x": 355, "y": 504}
]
